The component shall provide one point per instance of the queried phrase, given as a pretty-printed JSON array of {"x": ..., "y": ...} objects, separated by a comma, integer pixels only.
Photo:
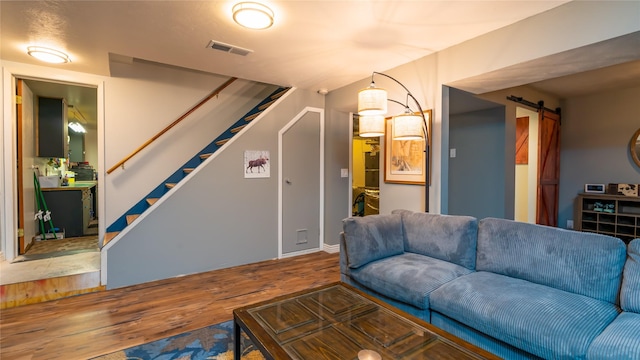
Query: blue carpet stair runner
[{"x": 136, "y": 210}]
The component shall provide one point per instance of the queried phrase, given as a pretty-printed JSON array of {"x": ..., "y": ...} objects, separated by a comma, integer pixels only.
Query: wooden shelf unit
[{"x": 623, "y": 222}]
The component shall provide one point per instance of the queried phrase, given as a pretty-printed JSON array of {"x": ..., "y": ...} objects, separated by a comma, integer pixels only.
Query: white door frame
[
  {"x": 8, "y": 180},
  {"x": 281, "y": 179},
  {"x": 350, "y": 192}
]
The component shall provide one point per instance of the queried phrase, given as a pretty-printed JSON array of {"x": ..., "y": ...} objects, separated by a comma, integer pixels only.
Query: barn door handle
[{"x": 287, "y": 181}]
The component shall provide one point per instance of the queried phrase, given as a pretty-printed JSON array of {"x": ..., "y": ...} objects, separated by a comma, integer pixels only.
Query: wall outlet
[
  {"x": 344, "y": 173},
  {"x": 569, "y": 224},
  {"x": 452, "y": 153}
]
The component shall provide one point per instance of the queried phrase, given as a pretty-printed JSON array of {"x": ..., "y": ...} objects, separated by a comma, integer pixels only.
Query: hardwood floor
[{"x": 85, "y": 326}]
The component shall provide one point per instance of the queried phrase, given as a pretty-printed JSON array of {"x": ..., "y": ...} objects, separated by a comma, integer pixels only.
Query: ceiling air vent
[{"x": 220, "y": 46}]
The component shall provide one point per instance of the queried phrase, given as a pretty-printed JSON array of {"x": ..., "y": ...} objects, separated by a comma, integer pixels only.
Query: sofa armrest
[
  {"x": 344, "y": 262},
  {"x": 372, "y": 238},
  {"x": 630, "y": 291}
]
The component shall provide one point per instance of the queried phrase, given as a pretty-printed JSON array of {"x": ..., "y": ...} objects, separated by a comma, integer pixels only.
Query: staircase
[{"x": 165, "y": 187}]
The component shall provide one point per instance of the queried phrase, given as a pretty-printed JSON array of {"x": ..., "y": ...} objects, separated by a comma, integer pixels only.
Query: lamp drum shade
[
  {"x": 371, "y": 125},
  {"x": 407, "y": 127},
  {"x": 372, "y": 101}
]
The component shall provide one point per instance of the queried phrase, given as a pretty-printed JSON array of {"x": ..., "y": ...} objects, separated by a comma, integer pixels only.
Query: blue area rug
[{"x": 213, "y": 342}]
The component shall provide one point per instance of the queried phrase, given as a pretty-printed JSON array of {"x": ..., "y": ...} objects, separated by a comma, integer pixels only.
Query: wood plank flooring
[{"x": 89, "y": 325}]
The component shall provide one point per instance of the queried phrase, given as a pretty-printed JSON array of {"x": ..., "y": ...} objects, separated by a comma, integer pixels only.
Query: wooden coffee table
[{"x": 338, "y": 322}]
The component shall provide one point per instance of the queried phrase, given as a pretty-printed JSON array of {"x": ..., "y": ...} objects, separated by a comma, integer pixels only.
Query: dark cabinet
[
  {"x": 371, "y": 170},
  {"x": 71, "y": 210},
  {"x": 51, "y": 128}
]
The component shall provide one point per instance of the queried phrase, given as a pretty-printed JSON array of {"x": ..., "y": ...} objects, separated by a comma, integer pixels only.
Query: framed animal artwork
[{"x": 257, "y": 164}]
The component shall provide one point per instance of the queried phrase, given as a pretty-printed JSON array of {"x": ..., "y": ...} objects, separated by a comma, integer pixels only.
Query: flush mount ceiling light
[
  {"x": 252, "y": 15},
  {"x": 77, "y": 127},
  {"x": 48, "y": 55}
]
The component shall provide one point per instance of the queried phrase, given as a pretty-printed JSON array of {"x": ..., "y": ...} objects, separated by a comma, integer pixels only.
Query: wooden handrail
[{"x": 216, "y": 92}]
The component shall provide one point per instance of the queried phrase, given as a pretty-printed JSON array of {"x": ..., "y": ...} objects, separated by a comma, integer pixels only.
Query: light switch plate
[{"x": 344, "y": 173}]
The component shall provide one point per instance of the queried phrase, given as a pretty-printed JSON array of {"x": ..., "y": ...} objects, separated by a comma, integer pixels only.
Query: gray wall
[
  {"x": 477, "y": 173},
  {"x": 336, "y": 157},
  {"x": 219, "y": 220},
  {"x": 595, "y": 135}
]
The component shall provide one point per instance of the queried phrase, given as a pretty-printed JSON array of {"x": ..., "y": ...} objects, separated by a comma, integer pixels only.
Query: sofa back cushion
[
  {"x": 630, "y": 292},
  {"x": 445, "y": 237},
  {"x": 582, "y": 263},
  {"x": 372, "y": 237}
]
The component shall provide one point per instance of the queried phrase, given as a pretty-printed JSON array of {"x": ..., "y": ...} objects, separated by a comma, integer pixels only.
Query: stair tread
[
  {"x": 109, "y": 236},
  {"x": 238, "y": 128},
  {"x": 252, "y": 116},
  {"x": 152, "y": 201},
  {"x": 132, "y": 218},
  {"x": 170, "y": 185},
  {"x": 264, "y": 106},
  {"x": 222, "y": 142},
  {"x": 279, "y": 94},
  {"x": 188, "y": 170},
  {"x": 205, "y": 156}
]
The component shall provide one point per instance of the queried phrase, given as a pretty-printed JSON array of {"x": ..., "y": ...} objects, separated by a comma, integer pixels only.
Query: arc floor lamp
[{"x": 410, "y": 125}]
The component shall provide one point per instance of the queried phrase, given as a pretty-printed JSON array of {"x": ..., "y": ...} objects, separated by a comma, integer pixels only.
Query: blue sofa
[{"x": 515, "y": 289}]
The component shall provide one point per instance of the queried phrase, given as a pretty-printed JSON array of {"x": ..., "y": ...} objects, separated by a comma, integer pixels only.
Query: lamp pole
[{"x": 425, "y": 129}]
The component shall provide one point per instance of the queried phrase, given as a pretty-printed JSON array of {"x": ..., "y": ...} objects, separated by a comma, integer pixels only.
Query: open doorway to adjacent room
[
  {"x": 365, "y": 182},
  {"x": 56, "y": 142}
]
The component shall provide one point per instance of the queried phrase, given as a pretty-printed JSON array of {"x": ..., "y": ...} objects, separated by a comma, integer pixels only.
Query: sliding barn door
[{"x": 548, "y": 168}]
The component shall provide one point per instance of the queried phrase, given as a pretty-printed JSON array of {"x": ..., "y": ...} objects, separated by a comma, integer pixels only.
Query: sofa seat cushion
[
  {"x": 408, "y": 277},
  {"x": 619, "y": 341},
  {"x": 372, "y": 238},
  {"x": 541, "y": 320}
]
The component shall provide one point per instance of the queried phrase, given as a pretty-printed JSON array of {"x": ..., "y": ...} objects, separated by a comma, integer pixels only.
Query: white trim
[
  {"x": 280, "y": 180},
  {"x": 350, "y": 192},
  {"x": 8, "y": 222},
  {"x": 298, "y": 253},
  {"x": 331, "y": 249}
]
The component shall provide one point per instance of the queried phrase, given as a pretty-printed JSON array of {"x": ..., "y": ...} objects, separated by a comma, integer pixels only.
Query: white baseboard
[
  {"x": 331, "y": 249},
  {"x": 297, "y": 253}
]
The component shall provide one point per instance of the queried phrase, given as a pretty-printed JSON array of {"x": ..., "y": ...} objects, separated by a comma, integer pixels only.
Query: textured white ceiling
[{"x": 312, "y": 45}]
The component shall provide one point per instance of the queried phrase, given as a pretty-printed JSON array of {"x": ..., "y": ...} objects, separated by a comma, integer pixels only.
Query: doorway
[
  {"x": 36, "y": 239},
  {"x": 488, "y": 177},
  {"x": 479, "y": 180},
  {"x": 526, "y": 165},
  {"x": 365, "y": 169}
]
